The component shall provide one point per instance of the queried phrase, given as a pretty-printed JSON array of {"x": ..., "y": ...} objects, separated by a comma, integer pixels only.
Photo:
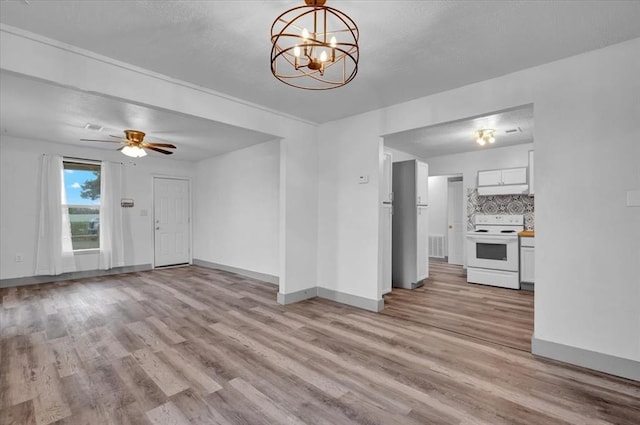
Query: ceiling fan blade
[
  {"x": 118, "y": 137},
  {"x": 159, "y": 145},
  {"x": 95, "y": 140},
  {"x": 158, "y": 150}
]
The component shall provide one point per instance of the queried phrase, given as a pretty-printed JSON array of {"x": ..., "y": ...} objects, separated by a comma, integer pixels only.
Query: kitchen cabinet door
[
  {"x": 490, "y": 178},
  {"x": 527, "y": 264},
  {"x": 514, "y": 175},
  {"x": 422, "y": 251},
  {"x": 422, "y": 183}
]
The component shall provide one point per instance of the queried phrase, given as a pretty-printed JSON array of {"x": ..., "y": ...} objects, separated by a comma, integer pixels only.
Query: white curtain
[
  {"x": 54, "y": 253},
  {"x": 111, "y": 237}
]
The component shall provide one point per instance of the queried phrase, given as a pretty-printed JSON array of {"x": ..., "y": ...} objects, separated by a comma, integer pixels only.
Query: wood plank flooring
[
  {"x": 199, "y": 346},
  {"x": 447, "y": 301}
]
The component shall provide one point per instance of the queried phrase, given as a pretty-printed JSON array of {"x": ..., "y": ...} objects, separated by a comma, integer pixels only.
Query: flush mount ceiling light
[
  {"x": 485, "y": 136},
  {"x": 314, "y": 47}
]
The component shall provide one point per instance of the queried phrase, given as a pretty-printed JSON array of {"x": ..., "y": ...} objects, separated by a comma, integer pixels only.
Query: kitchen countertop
[{"x": 527, "y": 233}]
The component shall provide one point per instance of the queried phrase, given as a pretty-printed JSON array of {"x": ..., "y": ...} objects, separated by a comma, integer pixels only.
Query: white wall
[
  {"x": 298, "y": 213},
  {"x": 587, "y": 240},
  {"x": 438, "y": 206},
  {"x": 348, "y": 216},
  {"x": 236, "y": 214},
  {"x": 19, "y": 197}
]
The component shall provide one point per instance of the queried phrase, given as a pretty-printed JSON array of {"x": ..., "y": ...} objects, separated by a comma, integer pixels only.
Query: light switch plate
[{"x": 363, "y": 179}]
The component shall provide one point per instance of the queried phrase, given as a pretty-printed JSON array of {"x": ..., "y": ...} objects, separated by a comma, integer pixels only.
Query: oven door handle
[{"x": 490, "y": 239}]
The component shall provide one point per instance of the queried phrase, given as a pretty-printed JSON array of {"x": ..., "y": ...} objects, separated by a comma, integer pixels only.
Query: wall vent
[
  {"x": 436, "y": 246},
  {"x": 513, "y": 130}
]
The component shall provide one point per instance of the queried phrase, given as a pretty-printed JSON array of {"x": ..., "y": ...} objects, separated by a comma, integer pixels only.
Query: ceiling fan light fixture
[
  {"x": 485, "y": 136},
  {"x": 133, "y": 151},
  {"x": 314, "y": 47}
]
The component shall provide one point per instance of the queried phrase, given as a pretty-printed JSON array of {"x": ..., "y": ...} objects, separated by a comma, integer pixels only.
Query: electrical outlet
[{"x": 19, "y": 257}]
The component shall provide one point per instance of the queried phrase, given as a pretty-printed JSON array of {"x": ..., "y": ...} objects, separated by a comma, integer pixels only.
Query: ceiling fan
[{"x": 134, "y": 144}]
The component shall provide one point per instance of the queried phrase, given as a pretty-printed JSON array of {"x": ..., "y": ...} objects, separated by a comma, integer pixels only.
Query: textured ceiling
[
  {"x": 36, "y": 110},
  {"x": 459, "y": 136},
  {"x": 409, "y": 49}
]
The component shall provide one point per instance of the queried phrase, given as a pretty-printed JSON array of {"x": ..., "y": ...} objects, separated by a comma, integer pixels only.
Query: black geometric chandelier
[{"x": 314, "y": 47}]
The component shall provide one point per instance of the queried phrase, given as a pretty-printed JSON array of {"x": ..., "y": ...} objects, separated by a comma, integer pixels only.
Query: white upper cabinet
[
  {"x": 508, "y": 181},
  {"x": 504, "y": 176},
  {"x": 422, "y": 183},
  {"x": 490, "y": 178},
  {"x": 514, "y": 176}
]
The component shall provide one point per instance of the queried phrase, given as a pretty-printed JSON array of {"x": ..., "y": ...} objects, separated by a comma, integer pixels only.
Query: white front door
[
  {"x": 454, "y": 232},
  {"x": 171, "y": 219}
]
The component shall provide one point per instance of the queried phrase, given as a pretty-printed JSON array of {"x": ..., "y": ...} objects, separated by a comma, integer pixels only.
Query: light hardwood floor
[
  {"x": 499, "y": 315},
  {"x": 198, "y": 346}
]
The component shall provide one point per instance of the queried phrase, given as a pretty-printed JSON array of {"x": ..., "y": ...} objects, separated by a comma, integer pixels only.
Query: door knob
[
  {"x": 158, "y": 228},
  {"x": 450, "y": 227}
]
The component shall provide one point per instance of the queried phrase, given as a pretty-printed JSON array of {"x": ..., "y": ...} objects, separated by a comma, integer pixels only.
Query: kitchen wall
[
  {"x": 237, "y": 207},
  {"x": 587, "y": 291},
  {"x": 19, "y": 198},
  {"x": 500, "y": 204}
]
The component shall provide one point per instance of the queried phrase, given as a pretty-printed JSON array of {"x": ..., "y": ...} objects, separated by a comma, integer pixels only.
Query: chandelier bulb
[
  {"x": 323, "y": 56},
  {"x": 332, "y": 43},
  {"x": 296, "y": 51},
  {"x": 305, "y": 33}
]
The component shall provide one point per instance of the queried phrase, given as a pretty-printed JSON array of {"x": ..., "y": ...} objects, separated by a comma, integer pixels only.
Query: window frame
[{"x": 94, "y": 163}]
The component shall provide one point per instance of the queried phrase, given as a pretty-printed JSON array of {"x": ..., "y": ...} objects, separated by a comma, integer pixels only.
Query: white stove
[{"x": 492, "y": 250}]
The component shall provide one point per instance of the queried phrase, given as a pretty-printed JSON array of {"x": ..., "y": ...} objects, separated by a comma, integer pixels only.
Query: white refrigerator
[{"x": 410, "y": 256}]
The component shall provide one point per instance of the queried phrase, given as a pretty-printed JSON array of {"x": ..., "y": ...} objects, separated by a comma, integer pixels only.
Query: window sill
[{"x": 86, "y": 251}]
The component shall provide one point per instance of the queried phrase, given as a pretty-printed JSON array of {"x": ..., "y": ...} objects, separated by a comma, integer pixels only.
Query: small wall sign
[{"x": 126, "y": 203}]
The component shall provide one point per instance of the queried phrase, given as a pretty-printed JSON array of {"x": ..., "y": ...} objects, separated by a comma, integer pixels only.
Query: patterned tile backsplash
[{"x": 499, "y": 204}]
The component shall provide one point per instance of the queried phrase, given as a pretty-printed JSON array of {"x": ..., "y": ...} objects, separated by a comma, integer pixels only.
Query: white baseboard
[
  {"x": 297, "y": 296},
  {"x": 352, "y": 300},
  {"x": 268, "y": 278},
  {"x": 618, "y": 366},
  {"x": 329, "y": 294},
  {"x": 33, "y": 280}
]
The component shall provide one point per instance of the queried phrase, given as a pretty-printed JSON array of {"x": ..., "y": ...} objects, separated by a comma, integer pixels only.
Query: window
[{"x": 82, "y": 187}]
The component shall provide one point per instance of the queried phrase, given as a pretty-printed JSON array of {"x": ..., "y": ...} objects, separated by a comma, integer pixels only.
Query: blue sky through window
[{"x": 73, "y": 180}]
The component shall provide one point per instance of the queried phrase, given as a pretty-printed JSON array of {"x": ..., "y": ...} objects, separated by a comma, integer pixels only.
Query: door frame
[
  {"x": 462, "y": 212},
  {"x": 153, "y": 215}
]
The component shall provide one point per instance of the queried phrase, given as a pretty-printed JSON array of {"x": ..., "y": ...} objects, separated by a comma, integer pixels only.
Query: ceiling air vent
[
  {"x": 514, "y": 130},
  {"x": 93, "y": 127}
]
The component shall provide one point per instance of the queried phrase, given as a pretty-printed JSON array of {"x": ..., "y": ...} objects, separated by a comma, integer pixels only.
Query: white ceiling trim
[{"x": 110, "y": 61}]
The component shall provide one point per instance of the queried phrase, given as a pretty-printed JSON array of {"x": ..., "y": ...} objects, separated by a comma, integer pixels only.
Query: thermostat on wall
[{"x": 126, "y": 203}]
